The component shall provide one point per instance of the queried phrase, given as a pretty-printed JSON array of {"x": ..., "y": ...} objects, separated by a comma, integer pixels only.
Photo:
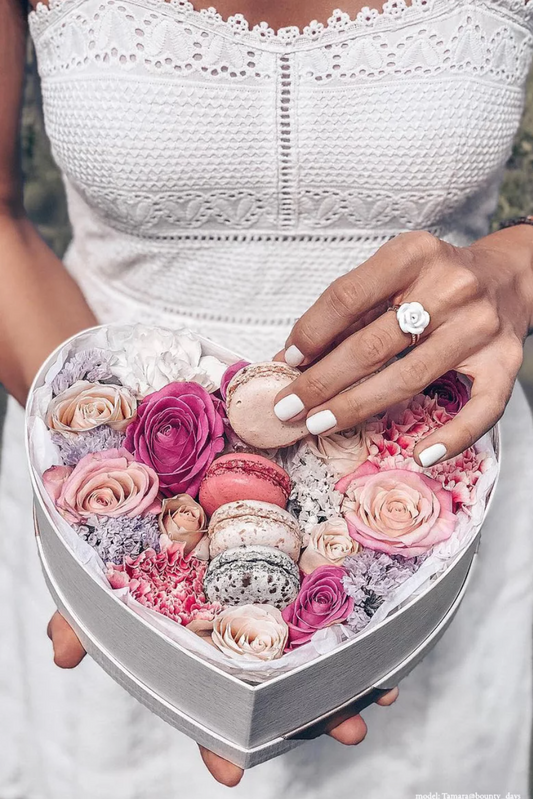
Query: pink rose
[
  {"x": 321, "y": 602},
  {"x": 450, "y": 392},
  {"x": 177, "y": 432},
  {"x": 230, "y": 373},
  {"x": 400, "y": 512},
  {"x": 168, "y": 582},
  {"x": 108, "y": 483},
  {"x": 54, "y": 479},
  {"x": 329, "y": 544}
]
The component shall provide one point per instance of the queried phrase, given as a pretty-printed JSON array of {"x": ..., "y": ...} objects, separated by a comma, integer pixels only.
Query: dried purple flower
[
  {"x": 372, "y": 576},
  {"x": 93, "y": 365},
  {"x": 73, "y": 448},
  {"x": 115, "y": 538}
]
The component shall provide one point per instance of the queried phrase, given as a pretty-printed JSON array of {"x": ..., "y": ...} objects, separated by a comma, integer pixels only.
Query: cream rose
[
  {"x": 343, "y": 452},
  {"x": 85, "y": 406},
  {"x": 329, "y": 544},
  {"x": 183, "y": 519},
  {"x": 251, "y": 632}
]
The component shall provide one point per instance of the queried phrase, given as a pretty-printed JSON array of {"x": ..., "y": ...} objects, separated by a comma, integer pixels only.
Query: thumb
[{"x": 68, "y": 651}]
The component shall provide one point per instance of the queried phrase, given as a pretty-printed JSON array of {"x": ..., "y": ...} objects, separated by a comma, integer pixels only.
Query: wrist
[{"x": 510, "y": 253}]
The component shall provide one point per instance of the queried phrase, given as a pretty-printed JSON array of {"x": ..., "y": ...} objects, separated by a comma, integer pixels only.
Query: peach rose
[
  {"x": 343, "y": 452},
  {"x": 397, "y": 511},
  {"x": 108, "y": 483},
  {"x": 183, "y": 519},
  {"x": 251, "y": 632},
  {"x": 329, "y": 544},
  {"x": 85, "y": 406}
]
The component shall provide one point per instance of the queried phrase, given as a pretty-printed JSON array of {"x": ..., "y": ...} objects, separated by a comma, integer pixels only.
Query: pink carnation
[
  {"x": 399, "y": 511},
  {"x": 168, "y": 582},
  {"x": 399, "y": 430},
  {"x": 461, "y": 474}
]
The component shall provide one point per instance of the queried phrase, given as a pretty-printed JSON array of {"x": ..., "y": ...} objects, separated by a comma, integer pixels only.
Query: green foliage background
[{"x": 45, "y": 201}]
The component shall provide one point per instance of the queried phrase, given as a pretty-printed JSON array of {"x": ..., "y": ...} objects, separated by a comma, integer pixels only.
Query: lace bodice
[{"x": 229, "y": 173}]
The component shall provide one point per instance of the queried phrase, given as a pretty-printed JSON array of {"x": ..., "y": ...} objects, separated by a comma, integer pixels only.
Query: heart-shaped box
[{"x": 244, "y": 722}]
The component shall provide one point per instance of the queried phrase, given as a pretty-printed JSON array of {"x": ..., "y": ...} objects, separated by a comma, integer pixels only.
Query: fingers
[
  {"x": 356, "y": 357},
  {"x": 353, "y": 731},
  {"x": 389, "y": 698},
  {"x": 401, "y": 380},
  {"x": 490, "y": 393},
  {"x": 222, "y": 770},
  {"x": 385, "y": 274},
  {"x": 68, "y": 651}
]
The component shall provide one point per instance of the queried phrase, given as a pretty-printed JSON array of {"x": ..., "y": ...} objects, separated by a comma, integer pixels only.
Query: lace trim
[{"x": 391, "y": 12}]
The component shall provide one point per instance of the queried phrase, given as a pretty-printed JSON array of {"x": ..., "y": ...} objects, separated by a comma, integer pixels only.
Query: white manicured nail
[
  {"x": 293, "y": 356},
  {"x": 430, "y": 456},
  {"x": 288, "y": 407},
  {"x": 320, "y": 422}
]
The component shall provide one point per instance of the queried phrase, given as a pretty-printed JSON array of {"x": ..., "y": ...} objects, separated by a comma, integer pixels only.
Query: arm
[{"x": 40, "y": 304}]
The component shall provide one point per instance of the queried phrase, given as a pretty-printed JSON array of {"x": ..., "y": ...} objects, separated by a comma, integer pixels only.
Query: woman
[{"x": 222, "y": 175}]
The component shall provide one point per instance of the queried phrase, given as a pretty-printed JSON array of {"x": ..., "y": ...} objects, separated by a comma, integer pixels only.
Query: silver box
[{"x": 243, "y": 722}]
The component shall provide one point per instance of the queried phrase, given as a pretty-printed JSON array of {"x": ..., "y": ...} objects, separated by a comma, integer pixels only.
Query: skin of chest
[{"x": 280, "y": 14}]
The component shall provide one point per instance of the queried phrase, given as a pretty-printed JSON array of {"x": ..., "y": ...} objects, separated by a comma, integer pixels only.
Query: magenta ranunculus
[
  {"x": 178, "y": 432},
  {"x": 321, "y": 602},
  {"x": 450, "y": 391},
  {"x": 397, "y": 511}
]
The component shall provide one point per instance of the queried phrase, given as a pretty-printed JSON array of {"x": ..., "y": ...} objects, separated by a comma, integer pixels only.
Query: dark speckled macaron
[{"x": 252, "y": 575}]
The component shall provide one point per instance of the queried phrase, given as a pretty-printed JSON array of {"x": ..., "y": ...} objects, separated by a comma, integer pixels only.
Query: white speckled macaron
[{"x": 252, "y": 575}]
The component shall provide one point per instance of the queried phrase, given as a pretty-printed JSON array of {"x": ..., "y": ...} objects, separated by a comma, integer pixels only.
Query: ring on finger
[{"x": 412, "y": 318}]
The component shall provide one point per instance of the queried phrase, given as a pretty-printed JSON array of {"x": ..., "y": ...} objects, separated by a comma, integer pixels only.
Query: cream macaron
[{"x": 254, "y": 523}]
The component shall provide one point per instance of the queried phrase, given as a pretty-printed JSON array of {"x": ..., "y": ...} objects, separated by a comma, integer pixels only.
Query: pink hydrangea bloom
[{"x": 168, "y": 582}]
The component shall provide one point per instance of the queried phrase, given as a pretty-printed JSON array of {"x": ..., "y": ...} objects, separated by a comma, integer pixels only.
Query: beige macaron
[{"x": 250, "y": 401}]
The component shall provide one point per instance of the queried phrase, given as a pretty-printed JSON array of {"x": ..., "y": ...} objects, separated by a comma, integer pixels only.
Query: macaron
[
  {"x": 254, "y": 523},
  {"x": 243, "y": 476},
  {"x": 255, "y": 575},
  {"x": 250, "y": 400}
]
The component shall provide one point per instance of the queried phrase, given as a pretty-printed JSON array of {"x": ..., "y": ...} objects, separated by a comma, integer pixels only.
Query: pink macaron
[
  {"x": 238, "y": 476},
  {"x": 250, "y": 399}
]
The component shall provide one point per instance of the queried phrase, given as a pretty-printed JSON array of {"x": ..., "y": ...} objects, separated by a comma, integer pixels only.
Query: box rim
[{"x": 251, "y": 687}]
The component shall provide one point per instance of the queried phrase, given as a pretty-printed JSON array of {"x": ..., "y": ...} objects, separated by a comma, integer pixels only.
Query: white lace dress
[{"x": 221, "y": 177}]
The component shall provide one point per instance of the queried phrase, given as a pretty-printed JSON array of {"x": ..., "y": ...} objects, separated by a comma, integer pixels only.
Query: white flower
[
  {"x": 148, "y": 358},
  {"x": 251, "y": 632},
  {"x": 413, "y": 318}
]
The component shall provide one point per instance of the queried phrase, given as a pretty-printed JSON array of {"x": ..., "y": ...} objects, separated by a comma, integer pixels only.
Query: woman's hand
[
  {"x": 69, "y": 652},
  {"x": 480, "y": 301}
]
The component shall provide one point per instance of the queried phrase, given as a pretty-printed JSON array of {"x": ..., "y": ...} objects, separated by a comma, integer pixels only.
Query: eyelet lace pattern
[{"x": 270, "y": 162}]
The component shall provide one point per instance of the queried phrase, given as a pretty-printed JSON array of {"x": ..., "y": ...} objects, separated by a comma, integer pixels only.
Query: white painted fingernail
[
  {"x": 288, "y": 407},
  {"x": 320, "y": 422},
  {"x": 430, "y": 456},
  {"x": 293, "y": 356}
]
